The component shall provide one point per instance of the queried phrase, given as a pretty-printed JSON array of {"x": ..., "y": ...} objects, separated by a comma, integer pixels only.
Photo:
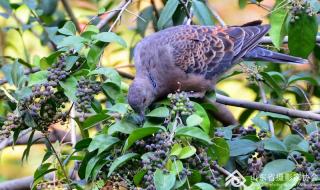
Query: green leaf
[
  {"x": 138, "y": 177},
  {"x": 111, "y": 74},
  {"x": 68, "y": 29},
  {"x": 41, "y": 171},
  {"x": 273, "y": 168},
  {"x": 194, "y": 120},
  {"x": 75, "y": 42},
  {"x": 94, "y": 54},
  {"x": 119, "y": 108},
  {"x": 285, "y": 181},
  {"x": 220, "y": 151},
  {"x": 122, "y": 126},
  {"x": 304, "y": 77},
  {"x": 110, "y": 37},
  {"x": 241, "y": 147},
  {"x": 187, "y": 152},
  {"x": 295, "y": 142},
  {"x": 167, "y": 12},
  {"x": 193, "y": 132},
  {"x": 93, "y": 120},
  {"x": 311, "y": 127},
  {"x": 90, "y": 165},
  {"x": 70, "y": 88},
  {"x": 138, "y": 134},
  {"x": 200, "y": 111},
  {"x": 242, "y": 3},
  {"x": 274, "y": 115},
  {"x": 274, "y": 144},
  {"x": 39, "y": 77},
  {"x": 272, "y": 83},
  {"x": 202, "y": 13},
  {"x": 302, "y": 35},
  {"x": 16, "y": 73},
  {"x": 48, "y": 6},
  {"x": 175, "y": 150},
  {"x": 163, "y": 181},
  {"x": 278, "y": 21},
  {"x": 102, "y": 142},
  {"x": 82, "y": 144},
  {"x": 147, "y": 15},
  {"x": 204, "y": 186},
  {"x": 120, "y": 161},
  {"x": 159, "y": 112}
]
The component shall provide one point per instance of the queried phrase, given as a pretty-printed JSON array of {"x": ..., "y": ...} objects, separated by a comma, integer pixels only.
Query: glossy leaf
[
  {"x": 275, "y": 168},
  {"x": 159, "y": 112},
  {"x": 241, "y": 147},
  {"x": 278, "y": 21},
  {"x": 187, "y": 152},
  {"x": 139, "y": 134},
  {"x": 193, "y": 132},
  {"x": 202, "y": 12},
  {"x": 302, "y": 45},
  {"x": 110, "y": 37},
  {"x": 68, "y": 29},
  {"x": 167, "y": 12},
  {"x": 163, "y": 181},
  {"x": 120, "y": 161},
  {"x": 102, "y": 142}
]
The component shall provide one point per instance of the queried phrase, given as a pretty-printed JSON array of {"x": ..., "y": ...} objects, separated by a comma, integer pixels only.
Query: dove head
[{"x": 140, "y": 95}]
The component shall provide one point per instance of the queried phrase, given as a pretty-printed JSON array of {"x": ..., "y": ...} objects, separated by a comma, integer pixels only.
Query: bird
[{"x": 191, "y": 58}]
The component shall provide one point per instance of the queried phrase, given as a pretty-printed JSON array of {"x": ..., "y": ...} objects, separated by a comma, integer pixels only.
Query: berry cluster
[
  {"x": 310, "y": 172},
  {"x": 43, "y": 106},
  {"x": 57, "y": 72},
  {"x": 262, "y": 134},
  {"x": 13, "y": 122},
  {"x": 257, "y": 160},
  {"x": 206, "y": 167},
  {"x": 314, "y": 144},
  {"x": 86, "y": 89},
  {"x": 247, "y": 131},
  {"x": 159, "y": 146},
  {"x": 181, "y": 104},
  {"x": 297, "y": 7}
]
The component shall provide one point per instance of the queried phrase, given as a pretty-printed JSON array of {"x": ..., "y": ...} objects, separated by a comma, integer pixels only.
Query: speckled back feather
[{"x": 207, "y": 50}]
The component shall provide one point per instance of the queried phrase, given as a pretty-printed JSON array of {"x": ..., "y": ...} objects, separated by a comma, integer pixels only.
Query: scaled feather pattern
[{"x": 191, "y": 58}]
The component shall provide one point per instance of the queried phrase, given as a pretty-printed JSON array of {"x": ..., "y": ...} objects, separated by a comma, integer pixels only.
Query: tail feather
[{"x": 259, "y": 53}]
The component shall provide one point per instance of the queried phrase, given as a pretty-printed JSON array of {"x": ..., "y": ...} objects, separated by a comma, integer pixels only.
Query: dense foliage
[{"x": 180, "y": 145}]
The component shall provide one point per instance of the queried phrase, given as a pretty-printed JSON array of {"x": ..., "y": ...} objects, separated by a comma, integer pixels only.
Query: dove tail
[{"x": 259, "y": 53}]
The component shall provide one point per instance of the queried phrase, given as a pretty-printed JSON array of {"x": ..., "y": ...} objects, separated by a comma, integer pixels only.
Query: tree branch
[
  {"x": 22, "y": 183},
  {"x": 55, "y": 135},
  {"x": 67, "y": 7},
  {"x": 265, "y": 107}
]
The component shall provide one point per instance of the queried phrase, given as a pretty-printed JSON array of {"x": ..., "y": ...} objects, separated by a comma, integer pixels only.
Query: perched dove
[{"x": 191, "y": 58}]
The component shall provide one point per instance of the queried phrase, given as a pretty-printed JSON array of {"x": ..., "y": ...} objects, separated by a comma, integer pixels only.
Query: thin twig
[
  {"x": 185, "y": 7},
  {"x": 106, "y": 19},
  {"x": 68, "y": 8},
  {"x": 265, "y": 101},
  {"x": 59, "y": 160},
  {"x": 265, "y": 107},
  {"x": 119, "y": 15}
]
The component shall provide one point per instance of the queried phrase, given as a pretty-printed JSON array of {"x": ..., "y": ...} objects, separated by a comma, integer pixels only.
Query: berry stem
[{"x": 59, "y": 160}]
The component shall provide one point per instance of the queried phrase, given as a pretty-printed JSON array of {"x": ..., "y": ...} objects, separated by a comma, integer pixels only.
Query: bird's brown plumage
[{"x": 191, "y": 58}]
